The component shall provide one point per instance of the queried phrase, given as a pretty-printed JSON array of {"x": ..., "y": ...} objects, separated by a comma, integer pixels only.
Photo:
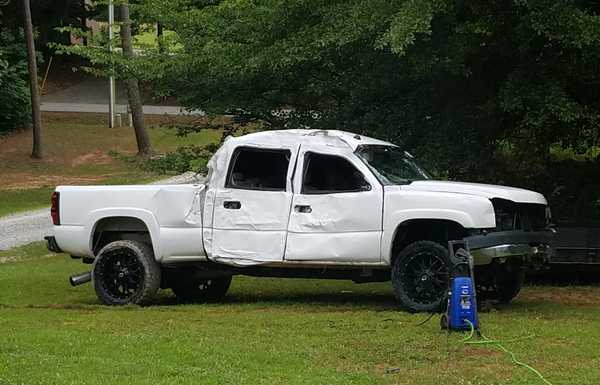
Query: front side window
[
  {"x": 325, "y": 174},
  {"x": 258, "y": 169},
  {"x": 391, "y": 165}
]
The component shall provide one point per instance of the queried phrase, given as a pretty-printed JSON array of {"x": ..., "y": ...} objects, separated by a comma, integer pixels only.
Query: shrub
[
  {"x": 15, "y": 104},
  {"x": 183, "y": 159}
]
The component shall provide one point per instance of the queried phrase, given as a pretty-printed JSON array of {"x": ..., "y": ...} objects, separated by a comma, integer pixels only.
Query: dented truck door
[
  {"x": 252, "y": 206},
  {"x": 336, "y": 209}
]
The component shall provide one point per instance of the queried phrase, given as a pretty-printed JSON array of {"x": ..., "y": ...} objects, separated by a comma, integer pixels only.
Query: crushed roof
[{"x": 294, "y": 136}]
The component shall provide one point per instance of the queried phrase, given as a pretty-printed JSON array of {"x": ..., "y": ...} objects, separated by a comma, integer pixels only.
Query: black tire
[
  {"x": 509, "y": 284},
  {"x": 194, "y": 290},
  {"x": 420, "y": 277},
  {"x": 126, "y": 272}
]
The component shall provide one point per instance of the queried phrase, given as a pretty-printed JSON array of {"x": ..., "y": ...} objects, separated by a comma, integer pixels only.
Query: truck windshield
[{"x": 391, "y": 165}]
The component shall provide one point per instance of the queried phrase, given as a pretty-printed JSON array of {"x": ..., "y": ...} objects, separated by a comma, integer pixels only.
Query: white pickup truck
[{"x": 300, "y": 203}]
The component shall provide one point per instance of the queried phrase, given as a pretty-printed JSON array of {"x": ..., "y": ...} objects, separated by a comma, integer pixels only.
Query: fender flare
[
  {"x": 461, "y": 217},
  {"x": 146, "y": 216},
  {"x": 403, "y": 216}
]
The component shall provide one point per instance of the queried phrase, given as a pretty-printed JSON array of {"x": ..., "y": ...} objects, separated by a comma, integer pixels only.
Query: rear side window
[
  {"x": 324, "y": 174},
  {"x": 258, "y": 169}
]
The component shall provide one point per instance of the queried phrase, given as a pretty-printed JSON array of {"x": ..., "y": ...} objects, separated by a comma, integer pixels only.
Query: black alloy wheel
[
  {"x": 126, "y": 272},
  {"x": 420, "y": 276}
]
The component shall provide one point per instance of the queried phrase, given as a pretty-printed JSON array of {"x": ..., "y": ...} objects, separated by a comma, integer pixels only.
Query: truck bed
[{"x": 171, "y": 213}]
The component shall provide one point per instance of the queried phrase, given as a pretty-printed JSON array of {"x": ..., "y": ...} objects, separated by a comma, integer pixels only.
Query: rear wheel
[
  {"x": 126, "y": 272},
  {"x": 420, "y": 276},
  {"x": 191, "y": 290}
]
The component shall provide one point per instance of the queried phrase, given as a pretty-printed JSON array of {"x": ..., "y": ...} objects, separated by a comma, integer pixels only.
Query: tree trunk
[
  {"x": 159, "y": 37},
  {"x": 133, "y": 88},
  {"x": 84, "y": 21},
  {"x": 36, "y": 115}
]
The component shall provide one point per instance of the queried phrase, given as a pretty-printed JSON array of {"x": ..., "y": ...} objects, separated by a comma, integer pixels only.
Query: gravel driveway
[{"x": 31, "y": 226}]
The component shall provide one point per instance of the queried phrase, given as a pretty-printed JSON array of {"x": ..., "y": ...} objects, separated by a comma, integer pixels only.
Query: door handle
[
  {"x": 303, "y": 209},
  {"x": 232, "y": 205}
]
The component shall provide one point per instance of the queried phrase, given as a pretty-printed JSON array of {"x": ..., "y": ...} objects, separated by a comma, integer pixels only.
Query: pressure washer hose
[{"x": 487, "y": 341}]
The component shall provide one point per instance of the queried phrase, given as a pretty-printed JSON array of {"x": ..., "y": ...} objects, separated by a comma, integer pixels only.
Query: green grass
[
  {"x": 275, "y": 331},
  {"x": 19, "y": 200},
  {"x": 148, "y": 39},
  {"x": 15, "y": 201},
  {"x": 77, "y": 148}
]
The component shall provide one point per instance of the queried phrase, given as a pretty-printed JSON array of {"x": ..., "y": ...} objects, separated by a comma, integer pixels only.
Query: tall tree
[
  {"x": 37, "y": 151},
  {"x": 479, "y": 90},
  {"x": 133, "y": 88},
  {"x": 15, "y": 101}
]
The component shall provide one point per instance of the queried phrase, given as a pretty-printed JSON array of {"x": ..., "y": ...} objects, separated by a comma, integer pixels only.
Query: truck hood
[{"x": 484, "y": 190}]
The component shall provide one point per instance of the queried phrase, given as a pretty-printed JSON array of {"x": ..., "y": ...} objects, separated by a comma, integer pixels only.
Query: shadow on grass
[
  {"x": 337, "y": 300},
  {"x": 342, "y": 301},
  {"x": 568, "y": 274}
]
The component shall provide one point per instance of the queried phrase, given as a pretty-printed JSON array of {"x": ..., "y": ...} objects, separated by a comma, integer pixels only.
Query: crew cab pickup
[{"x": 300, "y": 203}]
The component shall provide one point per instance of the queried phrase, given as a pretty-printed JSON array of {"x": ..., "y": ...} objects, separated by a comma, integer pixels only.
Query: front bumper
[{"x": 509, "y": 244}]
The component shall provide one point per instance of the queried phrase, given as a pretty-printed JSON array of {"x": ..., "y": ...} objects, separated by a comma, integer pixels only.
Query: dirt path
[{"x": 31, "y": 226}]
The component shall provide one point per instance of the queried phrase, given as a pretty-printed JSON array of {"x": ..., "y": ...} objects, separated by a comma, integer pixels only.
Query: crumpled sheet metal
[
  {"x": 193, "y": 216},
  {"x": 248, "y": 246},
  {"x": 256, "y": 232},
  {"x": 339, "y": 226},
  {"x": 259, "y": 211}
]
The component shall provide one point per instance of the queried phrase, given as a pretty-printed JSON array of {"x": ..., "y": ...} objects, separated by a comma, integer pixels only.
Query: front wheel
[
  {"x": 126, "y": 272},
  {"x": 420, "y": 276},
  {"x": 500, "y": 282},
  {"x": 509, "y": 284}
]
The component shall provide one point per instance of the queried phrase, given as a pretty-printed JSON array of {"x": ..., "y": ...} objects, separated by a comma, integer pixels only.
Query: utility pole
[
  {"x": 36, "y": 115},
  {"x": 111, "y": 79}
]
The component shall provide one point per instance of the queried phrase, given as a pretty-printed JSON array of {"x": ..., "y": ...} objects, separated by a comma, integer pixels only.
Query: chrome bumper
[
  {"x": 509, "y": 244},
  {"x": 488, "y": 254}
]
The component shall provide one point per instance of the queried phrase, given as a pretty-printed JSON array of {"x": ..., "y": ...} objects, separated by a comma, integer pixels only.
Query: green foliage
[
  {"x": 413, "y": 18},
  {"x": 459, "y": 83},
  {"x": 183, "y": 159},
  {"x": 151, "y": 53},
  {"x": 189, "y": 157},
  {"x": 481, "y": 91},
  {"x": 149, "y": 65},
  {"x": 15, "y": 104},
  {"x": 201, "y": 139}
]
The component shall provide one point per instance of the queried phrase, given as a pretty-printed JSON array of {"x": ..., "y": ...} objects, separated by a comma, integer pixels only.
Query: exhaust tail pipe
[{"x": 80, "y": 279}]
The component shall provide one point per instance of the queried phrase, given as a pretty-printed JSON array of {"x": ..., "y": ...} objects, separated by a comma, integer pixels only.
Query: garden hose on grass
[{"x": 486, "y": 341}]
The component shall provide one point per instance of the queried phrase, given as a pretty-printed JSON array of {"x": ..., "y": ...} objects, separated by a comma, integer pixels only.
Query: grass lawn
[
  {"x": 77, "y": 150},
  {"x": 14, "y": 201},
  {"x": 275, "y": 331}
]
